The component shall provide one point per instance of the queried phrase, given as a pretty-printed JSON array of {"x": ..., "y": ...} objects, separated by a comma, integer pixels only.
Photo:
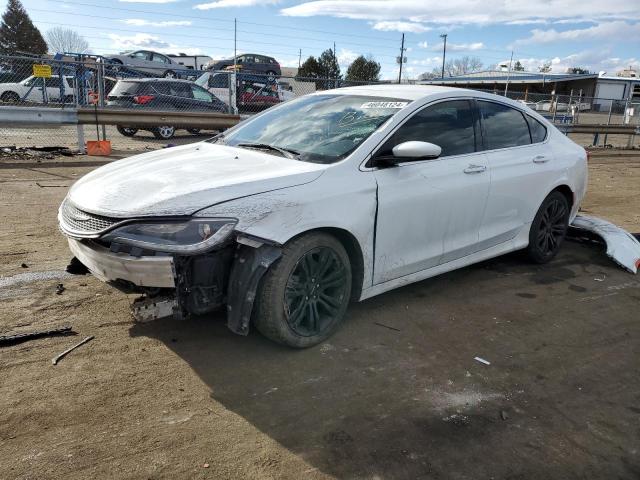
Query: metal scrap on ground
[
  {"x": 58, "y": 357},
  {"x": 22, "y": 337}
]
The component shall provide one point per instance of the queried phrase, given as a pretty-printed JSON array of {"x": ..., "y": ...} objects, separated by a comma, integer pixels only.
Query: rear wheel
[
  {"x": 169, "y": 74},
  {"x": 549, "y": 228},
  {"x": 304, "y": 296},
  {"x": 127, "y": 131},
  {"x": 10, "y": 97},
  {"x": 164, "y": 132}
]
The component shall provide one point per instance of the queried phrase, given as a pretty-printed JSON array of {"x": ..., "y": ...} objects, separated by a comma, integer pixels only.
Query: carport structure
[{"x": 525, "y": 82}]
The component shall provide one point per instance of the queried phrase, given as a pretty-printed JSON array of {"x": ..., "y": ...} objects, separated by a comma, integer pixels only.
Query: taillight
[{"x": 142, "y": 99}]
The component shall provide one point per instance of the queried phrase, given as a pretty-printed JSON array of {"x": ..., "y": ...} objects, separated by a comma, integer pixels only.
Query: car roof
[
  {"x": 407, "y": 92},
  {"x": 417, "y": 92},
  {"x": 148, "y": 80}
]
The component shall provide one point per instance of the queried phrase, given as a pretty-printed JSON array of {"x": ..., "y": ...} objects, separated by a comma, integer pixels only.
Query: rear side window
[
  {"x": 180, "y": 90},
  {"x": 537, "y": 129},
  {"x": 125, "y": 88},
  {"x": 450, "y": 125},
  {"x": 503, "y": 126}
]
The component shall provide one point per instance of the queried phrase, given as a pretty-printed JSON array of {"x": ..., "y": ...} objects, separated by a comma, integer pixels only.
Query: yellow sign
[{"x": 43, "y": 71}]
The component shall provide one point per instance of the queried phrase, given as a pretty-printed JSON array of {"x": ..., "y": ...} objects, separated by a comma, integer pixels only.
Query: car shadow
[{"x": 396, "y": 393}]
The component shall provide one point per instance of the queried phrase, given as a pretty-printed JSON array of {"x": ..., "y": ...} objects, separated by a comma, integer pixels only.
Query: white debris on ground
[{"x": 622, "y": 247}]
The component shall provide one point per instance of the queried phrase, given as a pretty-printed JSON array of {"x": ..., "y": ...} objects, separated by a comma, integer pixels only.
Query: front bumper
[{"x": 146, "y": 271}]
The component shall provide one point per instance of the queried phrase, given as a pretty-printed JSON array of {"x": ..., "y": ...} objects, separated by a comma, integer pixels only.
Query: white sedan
[{"x": 336, "y": 196}]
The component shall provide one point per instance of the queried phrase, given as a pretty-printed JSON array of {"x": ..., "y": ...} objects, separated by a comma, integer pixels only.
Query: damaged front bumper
[
  {"x": 183, "y": 285},
  {"x": 147, "y": 271}
]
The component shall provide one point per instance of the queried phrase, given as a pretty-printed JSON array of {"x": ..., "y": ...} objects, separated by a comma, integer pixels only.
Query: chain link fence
[{"x": 91, "y": 81}]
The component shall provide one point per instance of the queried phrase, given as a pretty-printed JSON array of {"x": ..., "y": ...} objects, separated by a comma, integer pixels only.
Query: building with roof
[{"x": 602, "y": 89}]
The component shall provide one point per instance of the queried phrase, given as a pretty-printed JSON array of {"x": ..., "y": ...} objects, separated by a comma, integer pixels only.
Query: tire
[
  {"x": 271, "y": 75},
  {"x": 164, "y": 132},
  {"x": 549, "y": 228},
  {"x": 126, "y": 131},
  {"x": 290, "y": 296},
  {"x": 68, "y": 99},
  {"x": 116, "y": 65},
  {"x": 10, "y": 97},
  {"x": 169, "y": 74},
  {"x": 194, "y": 131}
]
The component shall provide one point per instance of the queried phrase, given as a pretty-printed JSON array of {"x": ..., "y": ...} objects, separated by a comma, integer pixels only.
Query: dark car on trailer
[
  {"x": 162, "y": 95},
  {"x": 249, "y": 63}
]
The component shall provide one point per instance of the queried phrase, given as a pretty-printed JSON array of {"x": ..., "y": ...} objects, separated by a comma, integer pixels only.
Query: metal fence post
[
  {"x": 101, "y": 95},
  {"x": 79, "y": 128}
]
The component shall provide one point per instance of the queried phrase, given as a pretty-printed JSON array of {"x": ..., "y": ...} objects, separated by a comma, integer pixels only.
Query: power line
[{"x": 208, "y": 18}]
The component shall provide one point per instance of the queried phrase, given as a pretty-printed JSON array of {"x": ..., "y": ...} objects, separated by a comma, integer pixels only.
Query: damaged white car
[{"x": 336, "y": 196}]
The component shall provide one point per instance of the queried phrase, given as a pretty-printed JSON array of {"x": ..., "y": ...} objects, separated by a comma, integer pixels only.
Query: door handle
[
  {"x": 540, "y": 159},
  {"x": 475, "y": 169}
]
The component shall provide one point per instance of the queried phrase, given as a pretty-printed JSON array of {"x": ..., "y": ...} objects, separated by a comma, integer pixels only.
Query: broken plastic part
[
  {"x": 148, "y": 309},
  {"x": 622, "y": 246},
  {"x": 248, "y": 268}
]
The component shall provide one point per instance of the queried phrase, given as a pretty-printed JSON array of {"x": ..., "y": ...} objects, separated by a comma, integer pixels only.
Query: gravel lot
[{"x": 395, "y": 394}]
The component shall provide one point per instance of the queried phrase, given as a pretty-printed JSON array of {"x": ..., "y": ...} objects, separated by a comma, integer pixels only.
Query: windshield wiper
[{"x": 285, "y": 152}]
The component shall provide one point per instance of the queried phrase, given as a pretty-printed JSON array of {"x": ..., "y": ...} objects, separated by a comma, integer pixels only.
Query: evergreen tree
[
  {"x": 309, "y": 69},
  {"x": 329, "y": 69},
  {"x": 18, "y": 34},
  {"x": 363, "y": 70},
  {"x": 518, "y": 67}
]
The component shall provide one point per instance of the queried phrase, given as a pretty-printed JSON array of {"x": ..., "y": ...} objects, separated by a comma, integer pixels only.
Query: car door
[
  {"x": 140, "y": 60},
  {"x": 429, "y": 211},
  {"x": 53, "y": 88},
  {"x": 519, "y": 170},
  {"x": 33, "y": 90}
]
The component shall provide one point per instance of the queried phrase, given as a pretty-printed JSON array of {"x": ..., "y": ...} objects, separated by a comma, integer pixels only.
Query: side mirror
[{"x": 416, "y": 150}]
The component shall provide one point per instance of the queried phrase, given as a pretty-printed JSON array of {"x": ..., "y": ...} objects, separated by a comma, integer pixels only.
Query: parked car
[
  {"x": 147, "y": 61},
  {"x": 336, "y": 196},
  {"x": 32, "y": 89},
  {"x": 161, "y": 94},
  {"x": 253, "y": 92},
  {"x": 250, "y": 63}
]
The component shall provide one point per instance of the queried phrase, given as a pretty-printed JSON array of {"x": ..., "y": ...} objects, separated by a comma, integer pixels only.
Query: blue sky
[{"x": 594, "y": 34}]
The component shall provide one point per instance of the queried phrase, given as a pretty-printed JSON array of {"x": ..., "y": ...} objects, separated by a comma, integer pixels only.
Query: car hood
[{"x": 183, "y": 180}]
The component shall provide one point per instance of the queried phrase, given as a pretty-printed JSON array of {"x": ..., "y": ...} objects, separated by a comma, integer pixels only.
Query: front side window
[
  {"x": 320, "y": 128},
  {"x": 160, "y": 58},
  {"x": 450, "y": 125},
  {"x": 219, "y": 81},
  {"x": 53, "y": 82},
  {"x": 504, "y": 126},
  {"x": 141, "y": 55}
]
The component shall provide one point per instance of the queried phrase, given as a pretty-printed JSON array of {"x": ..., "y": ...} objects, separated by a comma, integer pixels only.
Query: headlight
[{"x": 189, "y": 237}]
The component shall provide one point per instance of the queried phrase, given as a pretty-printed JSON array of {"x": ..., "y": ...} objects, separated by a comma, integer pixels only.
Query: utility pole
[
  {"x": 299, "y": 57},
  {"x": 401, "y": 59},
  {"x": 235, "y": 43},
  {"x": 444, "y": 52},
  {"x": 506, "y": 87}
]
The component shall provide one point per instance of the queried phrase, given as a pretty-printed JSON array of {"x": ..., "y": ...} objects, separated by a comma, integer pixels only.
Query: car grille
[{"x": 84, "y": 224}]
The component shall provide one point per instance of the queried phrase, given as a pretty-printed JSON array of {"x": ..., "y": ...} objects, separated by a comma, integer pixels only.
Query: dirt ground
[{"x": 395, "y": 394}]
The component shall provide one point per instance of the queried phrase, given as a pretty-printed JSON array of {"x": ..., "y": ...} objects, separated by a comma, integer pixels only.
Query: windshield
[{"x": 318, "y": 128}]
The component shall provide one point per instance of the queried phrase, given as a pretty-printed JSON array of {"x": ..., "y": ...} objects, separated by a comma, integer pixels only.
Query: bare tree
[
  {"x": 457, "y": 66},
  {"x": 62, "y": 40},
  {"x": 545, "y": 67}
]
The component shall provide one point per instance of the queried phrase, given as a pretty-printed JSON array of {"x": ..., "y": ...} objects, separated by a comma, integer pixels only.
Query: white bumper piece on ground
[
  {"x": 623, "y": 247},
  {"x": 108, "y": 266}
]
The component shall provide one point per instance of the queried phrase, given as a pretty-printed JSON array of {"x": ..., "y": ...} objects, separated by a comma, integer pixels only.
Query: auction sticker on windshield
[{"x": 384, "y": 105}]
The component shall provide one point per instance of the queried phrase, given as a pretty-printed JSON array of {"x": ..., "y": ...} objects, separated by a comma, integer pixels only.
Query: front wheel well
[
  {"x": 352, "y": 246},
  {"x": 567, "y": 192}
]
